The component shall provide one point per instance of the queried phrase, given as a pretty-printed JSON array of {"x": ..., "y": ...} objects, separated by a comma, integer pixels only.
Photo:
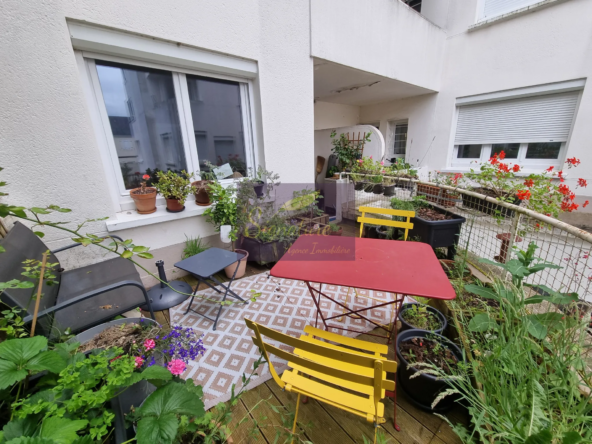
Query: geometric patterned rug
[{"x": 284, "y": 305}]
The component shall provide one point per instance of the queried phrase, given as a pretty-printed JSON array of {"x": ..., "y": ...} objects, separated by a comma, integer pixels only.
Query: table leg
[{"x": 310, "y": 289}]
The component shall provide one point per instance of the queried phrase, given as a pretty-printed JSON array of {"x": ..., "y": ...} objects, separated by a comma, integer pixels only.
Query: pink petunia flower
[
  {"x": 139, "y": 361},
  {"x": 382, "y": 162},
  {"x": 149, "y": 344},
  {"x": 176, "y": 366}
]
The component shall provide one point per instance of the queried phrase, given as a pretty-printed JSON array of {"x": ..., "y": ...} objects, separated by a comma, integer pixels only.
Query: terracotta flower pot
[
  {"x": 174, "y": 206},
  {"x": 336, "y": 233},
  {"x": 242, "y": 265},
  {"x": 145, "y": 203},
  {"x": 202, "y": 195}
]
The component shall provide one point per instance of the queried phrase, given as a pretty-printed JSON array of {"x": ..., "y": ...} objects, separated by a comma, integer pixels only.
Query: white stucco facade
[{"x": 310, "y": 65}]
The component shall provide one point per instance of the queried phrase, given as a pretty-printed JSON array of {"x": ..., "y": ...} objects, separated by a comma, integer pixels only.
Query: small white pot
[{"x": 225, "y": 233}]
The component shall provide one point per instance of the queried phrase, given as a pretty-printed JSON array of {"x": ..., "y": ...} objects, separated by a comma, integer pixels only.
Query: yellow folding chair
[
  {"x": 407, "y": 225},
  {"x": 321, "y": 370}
]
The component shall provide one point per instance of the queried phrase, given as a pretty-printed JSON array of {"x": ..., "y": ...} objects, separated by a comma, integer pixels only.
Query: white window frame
[
  {"x": 391, "y": 128},
  {"x": 525, "y": 164},
  {"x": 120, "y": 196}
]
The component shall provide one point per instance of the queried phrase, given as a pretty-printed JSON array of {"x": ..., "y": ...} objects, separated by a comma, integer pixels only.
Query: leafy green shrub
[{"x": 193, "y": 246}]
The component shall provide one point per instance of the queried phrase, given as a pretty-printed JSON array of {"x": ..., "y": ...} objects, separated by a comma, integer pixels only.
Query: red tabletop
[{"x": 409, "y": 268}]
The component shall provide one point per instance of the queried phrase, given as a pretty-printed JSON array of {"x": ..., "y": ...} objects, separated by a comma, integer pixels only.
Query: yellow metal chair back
[
  {"x": 407, "y": 225},
  {"x": 355, "y": 365}
]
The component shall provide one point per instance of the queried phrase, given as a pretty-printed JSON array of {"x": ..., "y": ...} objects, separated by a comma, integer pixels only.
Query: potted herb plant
[
  {"x": 202, "y": 187},
  {"x": 334, "y": 229},
  {"x": 431, "y": 225},
  {"x": 422, "y": 317},
  {"x": 175, "y": 188},
  {"x": 144, "y": 197},
  {"x": 416, "y": 348}
]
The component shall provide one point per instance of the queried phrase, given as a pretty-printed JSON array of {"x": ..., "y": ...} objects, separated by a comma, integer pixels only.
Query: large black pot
[
  {"x": 259, "y": 188},
  {"x": 264, "y": 253},
  {"x": 389, "y": 190},
  {"x": 407, "y": 326},
  {"x": 423, "y": 390},
  {"x": 378, "y": 188},
  {"x": 438, "y": 233}
]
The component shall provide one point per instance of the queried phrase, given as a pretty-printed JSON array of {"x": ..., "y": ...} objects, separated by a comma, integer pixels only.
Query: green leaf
[
  {"x": 31, "y": 440},
  {"x": 571, "y": 438},
  {"x": 543, "y": 437},
  {"x": 86, "y": 439},
  {"x": 2, "y": 249},
  {"x": 159, "y": 430},
  {"x": 536, "y": 327},
  {"x": 38, "y": 210},
  {"x": 172, "y": 398},
  {"x": 146, "y": 255},
  {"x": 484, "y": 292},
  {"x": 140, "y": 249},
  {"x": 48, "y": 360},
  {"x": 156, "y": 372},
  {"x": 39, "y": 233},
  {"x": 21, "y": 427},
  {"x": 61, "y": 430},
  {"x": 126, "y": 254},
  {"x": 20, "y": 351},
  {"x": 10, "y": 374},
  {"x": 481, "y": 323}
]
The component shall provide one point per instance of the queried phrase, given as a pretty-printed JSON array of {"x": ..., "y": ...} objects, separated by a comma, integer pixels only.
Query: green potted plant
[
  {"x": 175, "y": 188},
  {"x": 346, "y": 151},
  {"x": 223, "y": 215},
  {"x": 144, "y": 197}
]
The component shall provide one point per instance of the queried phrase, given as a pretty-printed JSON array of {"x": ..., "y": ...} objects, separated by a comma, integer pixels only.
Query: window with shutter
[{"x": 532, "y": 130}]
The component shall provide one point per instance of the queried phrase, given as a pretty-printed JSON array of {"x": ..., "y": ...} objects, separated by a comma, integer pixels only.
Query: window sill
[
  {"x": 132, "y": 219},
  {"x": 513, "y": 14}
]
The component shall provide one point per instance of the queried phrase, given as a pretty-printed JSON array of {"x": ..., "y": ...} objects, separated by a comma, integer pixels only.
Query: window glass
[
  {"x": 469, "y": 151},
  {"x": 543, "y": 150},
  {"x": 511, "y": 149},
  {"x": 217, "y": 121},
  {"x": 144, "y": 119},
  {"x": 400, "y": 144}
]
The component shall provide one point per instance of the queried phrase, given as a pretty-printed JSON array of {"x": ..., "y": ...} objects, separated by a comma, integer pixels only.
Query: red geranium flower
[
  {"x": 550, "y": 169},
  {"x": 561, "y": 178},
  {"x": 529, "y": 183},
  {"x": 573, "y": 161},
  {"x": 564, "y": 189},
  {"x": 146, "y": 177},
  {"x": 516, "y": 168},
  {"x": 523, "y": 194},
  {"x": 585, "y": 204},
  {"x": 582, "y": 183},
  {"x": 503, "y": 167},
  {"x": 502, "y": 155}
]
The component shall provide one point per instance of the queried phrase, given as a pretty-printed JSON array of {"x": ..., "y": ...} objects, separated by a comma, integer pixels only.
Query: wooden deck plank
[
  {"x": 255, "y": 401},
  {"x": 324, "y": 428},
  {"x": 245, "y": 432}
]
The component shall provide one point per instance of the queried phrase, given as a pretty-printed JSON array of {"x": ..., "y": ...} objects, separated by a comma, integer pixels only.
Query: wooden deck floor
[{"x": 265, "y": 410}]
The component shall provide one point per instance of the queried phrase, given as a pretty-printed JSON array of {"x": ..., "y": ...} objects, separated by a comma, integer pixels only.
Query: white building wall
[
  {"x": 333, "y": 115},
  {"x": 47, "y": 143},
  {"x": 384, "y": 37},
  {"x": 545, "y": 46}
]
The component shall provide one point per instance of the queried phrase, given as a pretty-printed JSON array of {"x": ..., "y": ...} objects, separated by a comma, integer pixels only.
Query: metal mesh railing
[{"x": 492, "y": 229}]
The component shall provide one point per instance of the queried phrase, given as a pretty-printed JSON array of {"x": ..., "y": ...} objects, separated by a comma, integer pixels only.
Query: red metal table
[{"x": 395, "y": 267}]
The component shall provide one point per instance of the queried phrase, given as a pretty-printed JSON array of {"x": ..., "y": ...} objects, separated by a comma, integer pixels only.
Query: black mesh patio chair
[{"x": 81, "y": 298}]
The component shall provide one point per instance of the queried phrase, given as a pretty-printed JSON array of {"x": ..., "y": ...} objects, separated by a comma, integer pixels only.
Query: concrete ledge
[
  {"x": 131, "y": 218},
  {"x": 517, "y": 13}
]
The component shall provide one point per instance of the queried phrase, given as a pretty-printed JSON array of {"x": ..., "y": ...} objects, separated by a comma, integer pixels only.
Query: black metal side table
[{"x": 204, "y": 266}]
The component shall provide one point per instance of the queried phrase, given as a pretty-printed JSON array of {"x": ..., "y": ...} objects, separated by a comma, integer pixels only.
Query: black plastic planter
[
  {"x": 407, "y": 326},
  {"x": 359, "y": 186},
  {"x": 423, "y": 390},
  {"x": 87, "y": 335},
  {"x": 438, "y": 233},
  {"x": 264, "y": 253},
  {"x": 389, "y": 190},
  {"x": 259, "y": 188},
  {"x": 378, "y": 189}
]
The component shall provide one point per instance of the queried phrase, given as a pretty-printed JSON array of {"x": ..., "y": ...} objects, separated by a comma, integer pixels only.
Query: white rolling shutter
[
  {"x": 546, "y": 118},
  {"x": 493, "y": 8}
]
